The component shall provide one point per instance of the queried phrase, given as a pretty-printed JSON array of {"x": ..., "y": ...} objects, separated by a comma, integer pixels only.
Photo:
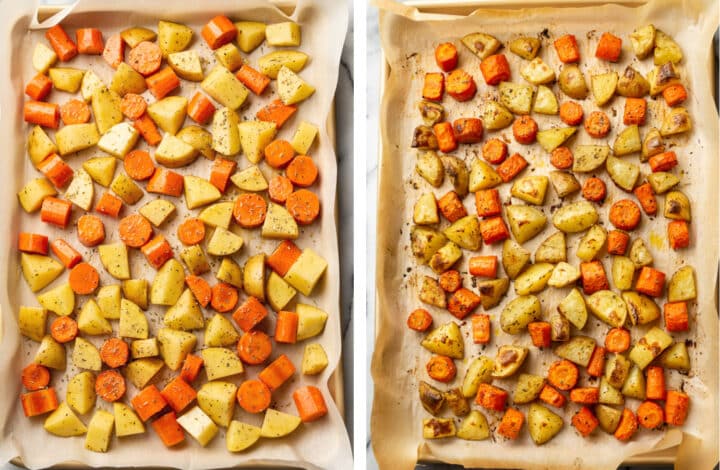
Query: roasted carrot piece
[
  {"x": 468, "y": 130},
  {"x": 145, "y": 58},
  {"x": 148, "y": 402},
  {"x": 39, "y": 402},
  {"x": 110, "y": 386},
  {"x": 562, "y": 158},
  {"x": 254, "y": 396},
  {"x": 157, "y": 251},
  {"x": 445, "y": 137},
  {"x": 33, "y": 243},
  {"x": 450, "y": 280},
  {"x": 571, "y": 113},
  {"x": 200, "y": 108},
  {"x": 540, "y": 333},
  {"x": 650, "y": 415},
  {"x": 495, "y": 69},
  {"x": 165, "y": 182},
  {"x": 635, "y": 110},
  {"x": 493, "y": 230},
  {"x": 678, "y": 234},
  {"x": 419, "y": 320},
  {"x": 84, "y": 278},
  {"x": 147, "y": 129},
  {"x": 135, "y": 230},
  {"x": 168, "y": 429},
  {"x": 451, "y": 206},
  {"x": 624, "y": 214},
  {"x": 220, "y": 172},
  {"x": 109, "y": 205},
  {"x": 483, "y": 266},
  {"x": 191, "y": 368},
  {"x": 609, "y": 47},
  {"x": 592, "y": 274},
  {"x": 90, "y": 230},
  {"x": 256, "y": 81},
  {"x": 617, "y": 242},
  {"x": 441, "y": 368},
  {"x": 249, "y": 314},
  {"x": 286, "y": 327},
  {"x": 525, "y": 130},
  {"x": 56, "y": 170},
  {"x": 279, "y": 153},
  {"x": 567, "y": 49},
  {"x": 627, "y": 427},
  {"x": 254, "y": 347},
  {"x": 114, "y": 352},
  {"x": 200, "y": 289},
  {"x": 276, "y": 111},
  {"x": 665, "y": 161},
  {"x": 511, "y": 423},
  {"x": 511, "y": 167},
  {"x": 67, "y": 255},
  {"x": 310, "y": 403},
  {"x": 676, "y": 316},
  {"x": 434, "y": 86},
  {"x": 563, "y": 374},
  {"x": 304, "y": 206},
  {"x": 617, "y": 340},
  {"x": 39, "y": 87},
  {"x": 61, "y": 43},
  {"x": 249, "y": 210},
  {"x": 674, "y": 94},
  {"x": 114, "y": 52},
  {"x": 35, "y": 376},
  {"x": 487, "y": 202},
  {"x": 74, "y": 112},
  {"x": 481, "y": 328},
  {"x": 495, "y": 151},
  {"x": 41, "y": 113},
  {"x": 279, "y": 188},
  {"x": 463, "y": 302},
  {"x": 655, "y": 383},
  {"x": 224, "y": 297},
  {"x": 446, "y": 56},
  {"x": 89, "y": 41},
  {"x": 283, "y": 257},
  {"x": 646, "y": 196},
  {"x": 460, "y": 85},
  {"x": 676, "y": 407},
  {"x": 219, "y": 31},
  {"x": 277, "y": 373},
  {"x": 597, "y": 125},
  {"x": 178, "y": 394},
  {"x": 650, "y": 282},
  {"x": 302, "y": 171},
  {"x": 55, "y": 211},
  {"x": 596, "y": 366},
  {"x": 552, "y": 397},
  {"x": 163, "y": 82},
  {"x": 491, "y": 397},
  {"x": 585, "y": 421},
  {"x": 133, "y": 106},
  {"x": 585, "y": 395},
  {"x": 139, "y": 165},
  {"x": 191, "y": 231},
  {"x": 594, "y": 189}
]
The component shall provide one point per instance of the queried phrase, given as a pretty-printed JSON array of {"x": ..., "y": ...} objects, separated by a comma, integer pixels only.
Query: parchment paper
[
  {"x": 408, "y": 40},
  {"x": 322, "y": 444}
]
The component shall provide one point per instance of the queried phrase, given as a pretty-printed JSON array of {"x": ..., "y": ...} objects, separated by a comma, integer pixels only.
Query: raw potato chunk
[
  {"x": 283, "y": 34},
  {"x": 314, "y": 360},
  {"x": 311, "y": 321},
  {"x": 174, "y": 152},
  {"x": 550, "y": 139},
  {"x": 270, "y": 64},
  {"x": 80, "y": 394},
  {"x": 91, "y": 322},
  {"x": 254, "y": 136},
  {"x": 445, "y": 340},
  {"x": 50, "y": 354},
  {"x": 31, "y": 321},
  {"x": 239, "y": 436},
  {"x": 115, "y": 260},
  {"x": 304, "y": 137},
  {"x": 141, "y": 348},
  {"x": 250, "y": 179},
  {"x": 105, "y": 109},
  {"x": 253, "y": 281},
  {"x": 81, "y": 191},
  {"x": 279, "y": 224},
  {"x": 127, "y": 423},
  {"x": 119, "y": 140},
  {"x": 90, "y": 83},
  {"x": 43, "y": 58},
  {"x": 186, "y": 65},
  {"x": 99, "y": 431},
  {"x": 39, "y": 145},
  {"x": 127, "y": 80},
  {"x": 64, "y": 423},
  {"x": 305, "y": 272},
  {"x": 225, "y": 88},
  {"x": 199, "y": 139},
  {"x": 169, "y": 113},
  {"x": 218, "y": 215},
  {"x": 185, "y": 315},
  {"x": 66, "y": 78},
  {"x": 230, "y": 272},
  {"x": 229, "y": 57},
  {"x": 59, "y": 300},
  {"x": 173, "y": 37},
  {"x": 168, "y": 284},
  {"x": 199, "y": 425},
  {"x": 157, "y": 211},
  {"x": 101, "y": 169},
  {"x": 279, "y": 292},
  {"x": 217, "y": 399},
  {"x": 135, "y": 290},
  {"x": 175, "y": 346},
  {"x": 31, "y": 196},
  {"x": 142, "y": 371},
  {"x": 250, "y": 35},
  {"x": 291, "y": 88},
  {"x": 85, "y": 355},
  {"x": 135, "y": 35},
  {"x": 224, "y": 243},
  {"x": 199, "y": 192},
  {"x": 126, "y": 189},
  {"x": 278, "y": 424},
  {"x": 39, "y": 271},
  {"x": 76, "y": 137},
  {"x": 525, "y": 222},
  {"x": 133, "y": 323},
  {"x": 220, "y": 363},
  {"x": 543, "y": 424},
  {"x": 220, "y": 332}
]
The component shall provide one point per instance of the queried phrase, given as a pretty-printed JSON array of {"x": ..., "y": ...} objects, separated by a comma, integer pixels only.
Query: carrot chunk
[
  {"x": 191, "y": 368},
  {"x": 585, "y": 421},
  {"x": 277, "y": 373},
  {"x": 487, "y": 203},
  {"x": 635, "y": 111},
  {"x": 446, "y": 56},
  {"x": 552, "y": 397},
  {"x": 468, "y": 130},
  {"x": 597, "y": 125},
  {"x": 224, "y": 297},
  {"x": 441, "y": 368},
  {"x": 84, "y": 279},
  {"x": 540, "y": 333},
  {"x": 650, "y": 282},
  {"x": 147, "y": 129},
  {"x": 56, "y": 170},
  {"x": 33, "y": 243},
  {"x": 434, "y": 86},
  {"x": 114, "y": 352},
  {"x": 163, "y": 82},
  {"x": 567, "y": 49},
  {"x": 511, "y": 167},
  {"x": 495, "y": 151},
  {"x": 165, "y": 182},
  {"x": 483, "y": 266},
  {"x": 41, "y": 113},
  {"x": 310, "y": 403},
  {"x": 609, "y": 48},
  {"x": 302, "y": 171},
  {"x": 675, "y": 94},
  {"x": 585, "y": 395},
  {"x": 646, "y": 196},
  {"x": 627, "y": 427},
  {"x": 139, "y": 165},
  {"x": 562, "y": 158},
  {"x": 491, "y": 397},
  {"x": 676, "y": 316},
  {"x": 445, "y": 137},
  {"x": 249, "y": 314},
  {"x": 594, "y": 189},
  {"x": 650, "y": 415},
  {"x": 493, "y": 230},
  {"x": 451, "y": 207},
  {"x": 481, "y": 328},
  {"x": 463, "y": 302},
  {"x": 219, "y": 31},
  {"x": 571, "y": 113},
  {"x": 114, "y": 52},
  {"x": 460, "y": 85},
  {"x": 168, "y": 429},
  {"x": 665, "y": 161},
  {"x": 178, "y": 394},
  {"x": 200, "y": 108},
  {"x": 592, "y": 274},
  {"x": 91, "y": 230},
  {"x": 135, "y": 230},
  {"x": 39, "y": 402},
  {"x": 419, "y": 320},
  {"x": 276, "y": 111},
  {"x": 145, "y": 58},
  {"x": 511, "y": 423},
  {"x": 563, "y": 374},
  {"x": 283, "y": 257},
  {"x": 617, "y": 242},
  {"x": 200, "y": 289},
  {"x": 35, "y": 376},
  {"x": 61, "y": 43},
  {"x": 254, "y": 347},
  {"x": 286, "y": 327},
  {"x": 525, "y": 130},
  {"x": 157, "y": 251},
  {"x": 254, "y": 396},
  {"x": 256, "y": 81},
  {"x": 55, "y": 211},
  {"x": 249, "y": 210},
  {"x": 655, "y": 383},
  {"x": 109, "y": 205},
  {"x": 450, "y": 280},
  {"x": 67, "y": 255},
  {"x": 39, "y": 87},
  {"x": 110, "y": 385},
  {"x": 678, "y": 234},
  {"x": 495, "y": 69},
  {"x": 676, "y": 407},
  {"x": 148, "y": 402},
  {"x": 596, "y": 366},
  {"x": 617, "y": 340},
  {"x": 220, "y": 172},
  {"x": 624, "y": 214},
  {"x": 89, "y": 41}
]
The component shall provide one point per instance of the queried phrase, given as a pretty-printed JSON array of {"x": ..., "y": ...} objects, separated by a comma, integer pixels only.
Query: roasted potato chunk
[
  {"x": 572, "y": 82},
  {"x": 632, "y": 84},
  {"x": 525, "y": 47}
]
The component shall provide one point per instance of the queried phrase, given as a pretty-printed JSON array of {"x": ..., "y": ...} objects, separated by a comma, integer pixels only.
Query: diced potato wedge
[
  {"x": 127, "y": 80},
  {"x": 175, "y": 345},
  {"x": 220, "y": 363},
  {"x": 304, "y": 137},
  {"x": 185, "y": 315},
  {"x": 279, "y": 292},
  {"x": 283, "y": 34},
  {"x": 135, "y": 35},
  {"x": 59, "y": 300},
  {"x": 106, "y": 109},
  {"x": 76, "y": 137},
  {"x": 31, "y": 321},
  {"x": 311, "y": 321},
  {"x": 270, "y": 64},
  {"x": 279, "y": 224},
  {"x": 445, "y": 340},
  {"x": 314, "y": 360},
  {"x": 114, "y": 257},
  {"x": 64, "y": 422},
  {"x": 169, "y": 113},
  {"x": 80, "y": 393},
  {"x": 133, "y": 323},
  {"x": 225, "y": 132},
  {"x": 250, "y": 35},
  {"x": 250, "y": 179},
  {"x": 225, "y": 88},
  {"x": 157, "y": 211},
  {"x": 199, "y": 192},
  {"x": 278, "y": 424},
  {"x": 126, "y": 189},
  {"x": 239, "y": 436},
  {"x": 224, "y": 243},
  {"x": 38, "y": 270},
  {"x": 85, "y": 355},
  {"x": 66, "y": 78},
  {"x": 99, "y": 431},
  {"x": 229, "y": 57},
  {"x": 101, "y": 169},
  {"x": 173, "y": 37},
  {"x": 291, "y": 88},
  {"x": 186, "y": 64},
  {"x": 39, "y": 145},
  {"x": 43, "y": 58},
  {"x": 141, "y": 371},
  {"x": 199, "y": 425},
  {"x": 91, "y": 322},
  {"x": 217, "y": 215},
  {"x": 50, "y": 354}
]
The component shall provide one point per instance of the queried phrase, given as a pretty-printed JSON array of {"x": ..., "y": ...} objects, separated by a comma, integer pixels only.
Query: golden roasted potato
[
  {"x": 623, "y": 270},
  {"x": 552, "y": 250},
  {"x": 474, "y": 427},
  {"x": 608, "y": 307},
  {"x": 518, "y": 313},
  {"x": 559, "y": 327},
  {"x": 431, "y": 293},
  {"x": 495, "y": 116},
  {"x": 479, "y": 371},
  {"x": 550, "y": 139},
  {"x": 445, "y": 257},
  {"x": 642, "y": 40},
  {"x": 682, "y": 285},
  {"x": 661, "y": 77},
  {"x": 627, "y": 141},
  {"x": 641, "y": 308},
  {"x": 575, "y": 217},
  {"x": 482, "y": 176},
  {"x": 578, "y": 350},
  {"x": 676, "y": 121},
  {"x": 431, "y": 398},
  {"x": 677, "y": 206},
  {"x": 431, "y": 113},
  {"x": 528, "y": 388},
  {"x": 608, "y": 417},
  {"x": 603, "y": 87},
  {"x": 623, "y": 173},
  {"x": 508, "y": 360},
  {"x": 591, "y": 243},
  {"x": 564, "y": 183},
  {"x": 545, "y": 101},
  {"x": 438, "y": 428},
  {"x": 492, "y": 291},
  {"x": 530, "y": 189},
  {"x": 543, "y": 424},
  {"x": 445, "y": 340},
  {"x": 666, "y": 49},
  {"x": 481, "y": 44},
  {"x": 514, "y": 258},
  {"x": 465, "y": 232},
  {"x": 425, "y": 242},
  {"x": 457, "y": 402},
  {"x": 676, "y": 357},
  {"x": 609, "y": 395},
  {"x": 639, "y": 254},
  {"x": 632, "y": 84},
  {"x": 650, "y": 346},
  {"x": 533, "y": 279},
  {"x": 457, "y": 173},
  {"x": 430, "y": 167},
  {"x": 525, "y": 47},
  {"x": 425, "y": 211},
  {"x": 572, "y": 82},
  {"x": 573, "y": 308},
  {"x": 537, "y": 72},
  {"x": 588, "y": 158},
  {"x": 652, "y": 145},
  {"x": 516, "y": 97},
  {"x": 563, "y": 275},
  {"x": 525, "y": 221}
]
